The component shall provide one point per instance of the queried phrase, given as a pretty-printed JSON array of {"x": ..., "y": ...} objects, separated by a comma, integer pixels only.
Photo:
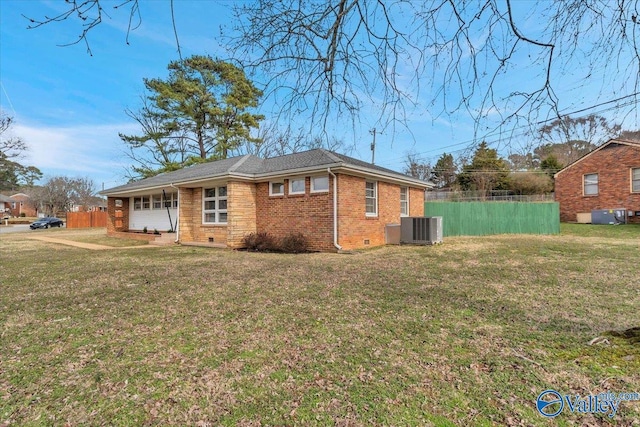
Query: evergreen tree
[
  {"x": 443, "y": 174},
  {"x": 199, "y": 113},
  {"x": 486, "y": 172}
]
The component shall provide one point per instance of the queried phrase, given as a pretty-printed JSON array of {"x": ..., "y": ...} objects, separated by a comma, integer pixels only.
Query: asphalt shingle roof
[{"x": 255, "y": 167}]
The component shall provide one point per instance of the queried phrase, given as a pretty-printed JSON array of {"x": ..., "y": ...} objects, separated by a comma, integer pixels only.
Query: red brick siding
[
  {"x": 416, "y": 202},
  {"x": 310, "y": 214},
  {"x": 354, "y": 226},
  {"x": 613, "y": 165},
  {"x": 117, "y": 216}
]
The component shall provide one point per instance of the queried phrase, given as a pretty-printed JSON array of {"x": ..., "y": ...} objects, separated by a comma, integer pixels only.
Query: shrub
[
  {"x": 294, "y": 243},
  {"x": 260, "y": 242}
]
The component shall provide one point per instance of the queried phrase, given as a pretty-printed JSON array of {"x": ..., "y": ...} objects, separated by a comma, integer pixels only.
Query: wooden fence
[{"x": 86, "y": 219}]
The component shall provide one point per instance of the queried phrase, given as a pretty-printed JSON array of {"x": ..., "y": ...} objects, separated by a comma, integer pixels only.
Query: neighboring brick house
[
  {"x": 22, "y": 206},
  {"x": 606, "y": 178},
  {"x": 5, "y": 205},
  {"x": 222, "y": 201}
]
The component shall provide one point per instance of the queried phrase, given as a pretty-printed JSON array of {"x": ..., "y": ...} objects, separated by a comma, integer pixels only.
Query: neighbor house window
[
  {"x": 371, "y": 198},
  {"x": 146, "y": 202},
  {"x": 404, "y": 201},
  {"x": 591, "y": 184},
  {"x": 319, "y": 184},
  {"x": 635, "y": 180},
  {"x": 276, "y": 188},
  {"x": 296, "y": 186},
  {"x": 137, "y": 203},
  {"x": 214, "y": 209}
]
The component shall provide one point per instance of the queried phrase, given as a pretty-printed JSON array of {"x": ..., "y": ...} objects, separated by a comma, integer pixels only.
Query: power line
[{"x": 526, "y": 127}]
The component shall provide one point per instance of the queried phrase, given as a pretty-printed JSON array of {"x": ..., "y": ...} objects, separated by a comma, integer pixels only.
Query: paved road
[{"x": 18, "y": 228}]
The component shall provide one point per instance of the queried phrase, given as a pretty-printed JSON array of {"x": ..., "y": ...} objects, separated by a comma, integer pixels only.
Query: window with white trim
[
  {"x": 404, "y": 201},
  {"x": 635, "y": 180},
  {"x": 296, "y": 186},
  {"x": 156, "y": 201},
  {"x": 276, "y": 188},
  {"x": 590, "y": 184},
  {"x": 371, "y": 198},
  {"x": 140, "y": 203},
  {"x": 319, "y": 184},
  {"x": 214, "y": 205}
]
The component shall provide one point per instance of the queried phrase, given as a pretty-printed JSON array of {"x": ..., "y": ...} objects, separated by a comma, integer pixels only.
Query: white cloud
[{"x": 81, "y": 151}]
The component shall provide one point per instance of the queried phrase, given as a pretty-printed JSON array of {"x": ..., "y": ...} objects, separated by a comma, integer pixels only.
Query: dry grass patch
[{"x": 466, "y": 333}]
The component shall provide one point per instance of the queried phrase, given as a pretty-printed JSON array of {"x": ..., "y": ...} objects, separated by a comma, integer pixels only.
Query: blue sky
[{"x": 69, "y": 106}]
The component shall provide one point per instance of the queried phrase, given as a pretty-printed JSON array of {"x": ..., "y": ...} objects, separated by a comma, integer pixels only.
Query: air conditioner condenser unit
[{"x": 421, "y": 230}]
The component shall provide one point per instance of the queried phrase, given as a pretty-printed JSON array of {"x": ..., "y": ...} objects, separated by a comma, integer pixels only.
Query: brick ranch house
[
  {"x": 335, "y": 201},
  {"x": 606, "y": 178}
]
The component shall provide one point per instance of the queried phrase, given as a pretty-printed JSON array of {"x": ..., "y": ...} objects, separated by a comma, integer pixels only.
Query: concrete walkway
[{"x": 91, "y": 246}]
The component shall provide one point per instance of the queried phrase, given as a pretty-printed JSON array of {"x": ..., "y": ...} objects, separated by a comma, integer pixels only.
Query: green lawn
[{"x": 464, "y": 333}]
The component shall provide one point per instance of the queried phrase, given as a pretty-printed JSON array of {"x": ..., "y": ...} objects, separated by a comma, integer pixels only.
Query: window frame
[
  {"x": 216, "y": 211},
  {"x": 586, "y": 185},
  {"x": 156, "y": 199},
  {"x": 635, "y": 181},
  {"x": 297, "y": 179},
  {"x": 313, "y": 187},
  {"x": 271, "y": 183},
  {"x": 368, "y": 197},
  {"x": 404, "y": 203}
]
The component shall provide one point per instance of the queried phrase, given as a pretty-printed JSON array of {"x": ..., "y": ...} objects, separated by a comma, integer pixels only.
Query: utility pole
[{"x": 373, "y": 146}]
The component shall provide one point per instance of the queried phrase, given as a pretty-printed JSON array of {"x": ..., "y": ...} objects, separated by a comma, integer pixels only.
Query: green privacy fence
[{"x": 484, "y": 218}]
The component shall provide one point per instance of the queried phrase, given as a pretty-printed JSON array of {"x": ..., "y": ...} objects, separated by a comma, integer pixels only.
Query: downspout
[
  {"x": 177, "y": 215},
  {"x": 335, "y": 210}
]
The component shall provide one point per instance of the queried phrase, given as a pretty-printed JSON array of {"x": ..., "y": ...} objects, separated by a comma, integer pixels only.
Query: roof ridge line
[
  {"x": 331, "y": 155},
  {"x": 240, "y": 162}
]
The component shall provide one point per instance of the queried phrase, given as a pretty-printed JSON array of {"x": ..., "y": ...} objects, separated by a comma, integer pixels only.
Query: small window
[
  {"x": 137, "y": 203},
  {"x": 214, "y": 205},
  {"x": 276, "y": 188},
  {"x": 635, "y": 180},
  {"x": 371, "y": 198},
  {"x": 319, "y": 184},
  {"x": 296, "y": 186},
  {"x": 591, "y": 184},
  {"x": 118, "y": 203},
  {"x": 146, "y": 202},
  {"x": 156, "y": 201},
  {"x": 404, "y": 201}
]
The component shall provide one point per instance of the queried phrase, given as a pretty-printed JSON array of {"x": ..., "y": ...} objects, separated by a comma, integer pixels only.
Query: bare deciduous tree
[
  {"x": 273, "y": 141},
  {"x": 331, "y": 58}
]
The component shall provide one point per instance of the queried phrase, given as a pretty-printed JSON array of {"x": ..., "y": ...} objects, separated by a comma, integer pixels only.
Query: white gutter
[
  {"x": 177, "y": 215},
  {"x": 335, "y": 210}
]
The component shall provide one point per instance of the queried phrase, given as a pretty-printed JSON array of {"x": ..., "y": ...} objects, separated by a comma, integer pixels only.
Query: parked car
[{"x": 46, "y": 223}]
